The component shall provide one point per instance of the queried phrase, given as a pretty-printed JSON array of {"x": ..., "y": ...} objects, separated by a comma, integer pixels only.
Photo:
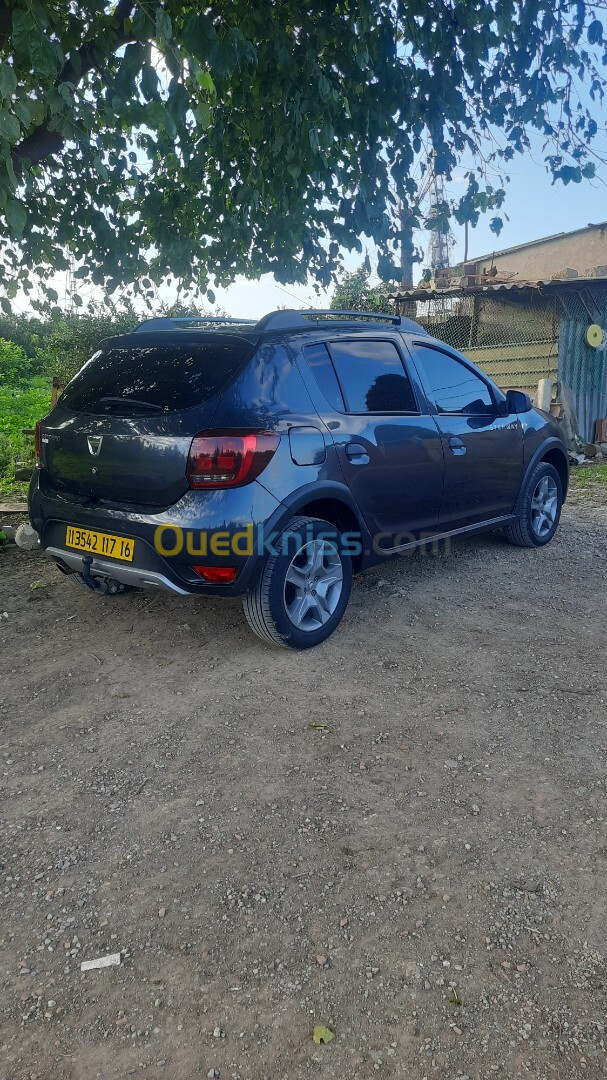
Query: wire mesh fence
[
  {"x": 521, "y": 336},
  {"x": 514, "y": 340}
]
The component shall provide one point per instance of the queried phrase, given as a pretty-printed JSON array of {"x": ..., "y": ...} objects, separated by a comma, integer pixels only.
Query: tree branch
[{"x": 43, "y": 142}]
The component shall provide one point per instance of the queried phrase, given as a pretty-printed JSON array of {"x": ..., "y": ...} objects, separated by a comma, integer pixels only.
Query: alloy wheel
[
  {"x": 544, "y": 506},
  {"x": 313, "y": 585}
]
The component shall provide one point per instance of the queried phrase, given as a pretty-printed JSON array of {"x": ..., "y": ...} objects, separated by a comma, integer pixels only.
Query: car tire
[
  {"x": 541, "y": 505},
  {"x": 303, "y": 590}
]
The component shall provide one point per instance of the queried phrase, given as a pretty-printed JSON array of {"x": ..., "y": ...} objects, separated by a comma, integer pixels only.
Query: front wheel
[
  {"x": 303, "y": 590},
  {"x": 540, "y": 510}
]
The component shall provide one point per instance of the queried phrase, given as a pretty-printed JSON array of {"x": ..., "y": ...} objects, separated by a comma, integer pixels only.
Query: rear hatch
[{"x": 123, "y": 427}]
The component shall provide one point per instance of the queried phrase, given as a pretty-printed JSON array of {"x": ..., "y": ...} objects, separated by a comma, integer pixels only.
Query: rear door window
[
  {"x": 168, "y": 377},
  {"x": 372, "y": 377},
  {"x": 452, "y": 386}
]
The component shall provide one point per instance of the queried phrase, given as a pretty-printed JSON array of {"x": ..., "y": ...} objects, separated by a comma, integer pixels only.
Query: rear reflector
[
  {"x": 229, "y": 458},
  {"x": 38, "y": 439},
  {"x": 220, "y": 575}
]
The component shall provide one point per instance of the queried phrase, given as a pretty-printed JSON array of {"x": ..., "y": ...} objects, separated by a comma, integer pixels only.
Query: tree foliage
[
  {"x": 354, "y": 293},
  {"x": 166, "y": 139}
]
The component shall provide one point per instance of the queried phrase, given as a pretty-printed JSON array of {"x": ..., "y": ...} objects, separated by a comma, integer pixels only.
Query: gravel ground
[{"x": 400, "y": 835}]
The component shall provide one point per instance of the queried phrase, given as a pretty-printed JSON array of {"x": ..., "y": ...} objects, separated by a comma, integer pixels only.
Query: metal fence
[
  {"x": 514, "y": 340},
  {"x": 518, "y": 338}
]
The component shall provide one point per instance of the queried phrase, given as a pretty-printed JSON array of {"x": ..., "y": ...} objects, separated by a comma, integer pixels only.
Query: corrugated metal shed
[
  {"x": 582, "y": 369},
  {"x": 554, "y": 285}
]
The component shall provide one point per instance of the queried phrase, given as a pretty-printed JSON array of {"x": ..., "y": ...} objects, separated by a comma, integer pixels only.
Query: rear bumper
[
  {"x": 227, "y": 513},
  {"x": 71, "y": 562}
]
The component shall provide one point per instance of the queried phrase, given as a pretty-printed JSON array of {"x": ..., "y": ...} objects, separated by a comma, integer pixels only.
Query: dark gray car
[{"x": 275, "y": 459}]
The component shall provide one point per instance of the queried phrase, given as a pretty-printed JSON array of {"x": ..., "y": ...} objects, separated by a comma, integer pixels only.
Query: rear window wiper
[{"x": 131, "y": 401}]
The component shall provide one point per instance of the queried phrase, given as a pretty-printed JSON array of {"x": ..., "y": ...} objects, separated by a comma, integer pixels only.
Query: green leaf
[
  {"x": 8, "y": 81},
  {"x": 205, "y": 81},
  {"x": 149, "y": 82},
  {"x": 158, "y": 118},
  {"x": 9, "y": 127},
  {"x": 203, "y": 114},
  {"x": 22, "y": 112},
  {"x": 47, "y": 57},
  {"x": 16, "y": 217},
  {"x": 322, "y": 1034},
  {"x": 100, "y": 167},
  {"x": 164, "y": 27},
  {"x": 199, "y": 32}
]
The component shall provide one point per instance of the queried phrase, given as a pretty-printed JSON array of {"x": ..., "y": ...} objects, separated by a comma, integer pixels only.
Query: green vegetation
[
  {"x": 589, "y": 480},
  {"x": 24, "y": 399},
  {"x": 354, "y": 293},
  {"x": 32, "y": 352},
  {"x": 173, "y": 140}
]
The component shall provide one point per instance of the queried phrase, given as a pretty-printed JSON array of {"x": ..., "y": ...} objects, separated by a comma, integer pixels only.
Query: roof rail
[
  {"x": 298, "y": 320},
  {"x": 188, "y": 322},
  {"x": 385, "y": 317}
]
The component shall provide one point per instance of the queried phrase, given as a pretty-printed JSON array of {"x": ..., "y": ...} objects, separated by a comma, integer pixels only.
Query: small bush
[{"x": 14, "y": 364}]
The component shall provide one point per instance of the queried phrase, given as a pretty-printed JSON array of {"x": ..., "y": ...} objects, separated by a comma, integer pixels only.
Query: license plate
[{"x": 100, "y": 543}]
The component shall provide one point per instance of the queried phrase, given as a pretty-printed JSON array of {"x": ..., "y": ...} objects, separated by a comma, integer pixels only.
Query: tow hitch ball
[{"x": 107, "y": 586}]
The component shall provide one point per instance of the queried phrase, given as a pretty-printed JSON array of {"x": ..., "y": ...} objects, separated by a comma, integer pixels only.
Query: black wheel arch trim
[
  {"x": 314, "y": 492},
  {"x": 539, "y": 455}
]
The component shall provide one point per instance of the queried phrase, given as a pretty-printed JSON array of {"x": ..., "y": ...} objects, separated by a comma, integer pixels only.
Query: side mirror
[{"x": 518, "y": 402}]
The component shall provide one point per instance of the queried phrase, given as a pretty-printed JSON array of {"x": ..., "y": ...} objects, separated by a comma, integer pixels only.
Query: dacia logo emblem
[{"x": 94, "y": 444}]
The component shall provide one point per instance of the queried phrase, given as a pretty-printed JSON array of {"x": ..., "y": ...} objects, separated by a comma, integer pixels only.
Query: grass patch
[
  {"x": 12, "y": 489},
  {"x": 589, "y": 479}
]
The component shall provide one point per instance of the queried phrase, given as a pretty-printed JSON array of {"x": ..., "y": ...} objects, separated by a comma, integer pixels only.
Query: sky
[{"x": 534, "y": 206}]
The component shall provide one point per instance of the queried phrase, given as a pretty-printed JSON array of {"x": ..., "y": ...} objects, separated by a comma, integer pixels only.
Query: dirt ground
[{"x": 400, "y": 835}]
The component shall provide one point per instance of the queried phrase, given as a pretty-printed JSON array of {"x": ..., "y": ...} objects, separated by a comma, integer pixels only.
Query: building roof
[
  {"x": 528, "y": 288},
  {"x": 542, "y": 240}
]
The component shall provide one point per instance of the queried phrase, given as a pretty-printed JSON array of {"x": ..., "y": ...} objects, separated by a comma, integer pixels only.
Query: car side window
[
  {"x": 372, "y": 377},
  {"x": 452, "y": 386},
  {"x": 319, "y": 362}
]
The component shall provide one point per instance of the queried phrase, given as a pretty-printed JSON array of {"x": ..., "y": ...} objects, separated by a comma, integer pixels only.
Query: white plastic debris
[
  {"x": 111, "y": 960},
  {"x": 26, "y": 538}
]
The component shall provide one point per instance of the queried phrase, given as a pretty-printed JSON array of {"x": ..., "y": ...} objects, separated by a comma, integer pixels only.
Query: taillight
[
  {"x": 229, "y": 459},
  {"x": 37, "y": 437},
  {"x": 218, "y": 575}
]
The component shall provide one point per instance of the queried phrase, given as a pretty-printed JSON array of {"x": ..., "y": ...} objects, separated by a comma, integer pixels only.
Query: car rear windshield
[{"x": 124, "y": 378}]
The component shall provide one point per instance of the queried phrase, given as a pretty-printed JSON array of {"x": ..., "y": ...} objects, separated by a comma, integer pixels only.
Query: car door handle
[
  {"x": 356, "y": 454},
  {"x": 457, "y": 447}
]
